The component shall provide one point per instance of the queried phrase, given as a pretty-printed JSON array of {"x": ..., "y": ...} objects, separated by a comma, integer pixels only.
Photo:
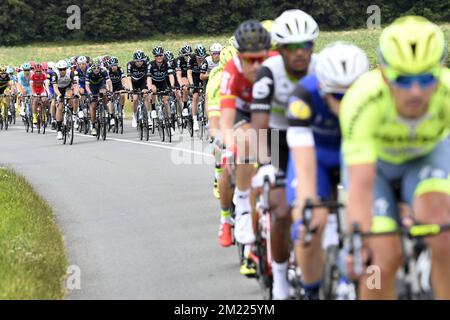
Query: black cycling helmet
[
  {"x": 186, "y": 49},
  {"x": 139, "y": 55},
  {"x": 169, "y": 55},
  {"x": 158, "y": 51},
  {"x": 200, "y": 51},
  {"x": 113, "y": 61},
  {"x": 251, "y": 36}
]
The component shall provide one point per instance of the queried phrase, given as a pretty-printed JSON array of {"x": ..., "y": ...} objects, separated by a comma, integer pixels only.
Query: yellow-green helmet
[
  {"x": 227, "y": 54},
  {"x": 231, "y": 41},
  {"x": 268, "y": 25},
  {"x": 412, "y": 45}
]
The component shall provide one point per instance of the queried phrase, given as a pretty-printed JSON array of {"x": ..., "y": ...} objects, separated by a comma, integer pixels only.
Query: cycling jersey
[
  {"x": 372, "y": 128},
  {"x": 98, "y": 79},
  {"x": 24, "y": 82},
  {"x": 66, "y": 81},
  {"x": 136, "y": 73},
  {"x": 208, "y": 65},
  {"x": 194, "y": 65},
  {"x": 116, "y": 78},
  {"x": 235, "y": 88},
  {"x": 213, "y": 91},
  {"x": 158, "y": 72},
  {"x": 182, "y": 65},
  {"x": 82, "y": 76},
  {"x": 307, "y": 108},
  {"x": 49, "y": 78},
  {"x": 272, "y": 89},
  {"x": 4, "y": 83},
  {"x": 171, "y": 71},
  {"x": 38, "y": 82}
]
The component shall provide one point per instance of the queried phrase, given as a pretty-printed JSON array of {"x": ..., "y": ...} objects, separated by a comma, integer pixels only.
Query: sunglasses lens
[
  {"x": 424, "y": 81},
  {"x": 301, "y": 45},
  {"x": 338, "y": 96}
]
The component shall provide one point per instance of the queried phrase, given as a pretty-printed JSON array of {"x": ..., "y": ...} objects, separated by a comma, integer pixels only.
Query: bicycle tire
[
  {"x": 71, "y": 127},
  {"x": 331, "y": 273},
  {"x": 167, "y": 124}
]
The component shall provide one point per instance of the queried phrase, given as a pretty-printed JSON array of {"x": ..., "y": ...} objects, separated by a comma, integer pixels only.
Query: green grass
[
  {"x": 365, "y": 38},
  {"x": 32, "y": 257}
]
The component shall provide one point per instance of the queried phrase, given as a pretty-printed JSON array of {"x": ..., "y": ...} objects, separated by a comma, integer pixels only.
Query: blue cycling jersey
[
  {"x": 24, "y": 81},
  {"x": 327, "y": 138}
]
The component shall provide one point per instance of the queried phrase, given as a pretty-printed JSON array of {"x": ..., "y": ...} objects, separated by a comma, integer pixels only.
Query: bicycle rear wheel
[{"x": 70, "y": 127}]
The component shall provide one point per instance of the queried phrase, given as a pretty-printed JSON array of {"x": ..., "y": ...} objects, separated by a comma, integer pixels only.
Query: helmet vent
[
  {"x": 289, "y": 28},
  {"x": 344, "y": 66},
  {"x": 413, "y": 48}
]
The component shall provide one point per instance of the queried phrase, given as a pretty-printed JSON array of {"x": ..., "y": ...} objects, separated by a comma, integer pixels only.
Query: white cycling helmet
[
  {"x": 294, "y": 26},
  {"x": 338, "y": 65},
  {"x": 216, "y": 47},
  {"x": 62, "y": 64},
  {"x": 51, "y": 65},
  {"x": 82, "y": 59}
]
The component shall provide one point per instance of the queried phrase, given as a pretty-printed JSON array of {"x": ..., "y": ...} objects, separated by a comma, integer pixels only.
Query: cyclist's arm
[
  {"x": 300, "y": 140},
  {"x": 204, "y": 71},
  {"x": 260, "y": 109},
  {"x": 228, "y": 108},
  {"x": 149, "y": 77},
  {"x": 358, "y": 121},
  {"x": 75, "y": 80},
  {"x": 190, "y": 78}
]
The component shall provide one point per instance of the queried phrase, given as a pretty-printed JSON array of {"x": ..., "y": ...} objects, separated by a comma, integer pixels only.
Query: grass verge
[{"x": 33, "y": 262}]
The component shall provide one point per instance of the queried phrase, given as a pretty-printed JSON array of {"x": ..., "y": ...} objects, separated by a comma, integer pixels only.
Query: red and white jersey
[{"x": 235, "y": 88}]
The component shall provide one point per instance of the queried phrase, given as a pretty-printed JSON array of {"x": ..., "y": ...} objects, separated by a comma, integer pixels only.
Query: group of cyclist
[
  {"x": 306, "y": 121},
  {"x": 309, "y": 122},
  {"x": 82, "y": 77}
]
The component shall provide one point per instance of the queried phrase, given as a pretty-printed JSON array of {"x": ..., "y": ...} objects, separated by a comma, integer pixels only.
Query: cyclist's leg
[
  {"x": 280, "y": 235},
  {"x": 427, "y": 188},
  {"x": 386, "y": 250},
  {"x": 59, "y": 110}
]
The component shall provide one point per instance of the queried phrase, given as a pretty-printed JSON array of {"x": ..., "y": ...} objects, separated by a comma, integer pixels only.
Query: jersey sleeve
[
  {"x": 178, "y": 64},
  {"x": 106, "y": 74},
  {"x": 262, "y": 91},
  {"x": 54, "y": 79},
  {"x": 204, "y": 67},
  {"x": 358, "y": 122},
  {"x": 228, "y": 93},
  {"x": 129, "y": 69},
  {"x": 300, "y": 108}
]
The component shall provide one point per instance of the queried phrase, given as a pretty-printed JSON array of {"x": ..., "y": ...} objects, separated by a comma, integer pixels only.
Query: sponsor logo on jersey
[{"x": 300, "y": 110}]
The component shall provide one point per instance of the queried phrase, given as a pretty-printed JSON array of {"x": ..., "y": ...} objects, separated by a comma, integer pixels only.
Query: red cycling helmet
[
  {"x": 32, "y": 64},
  {"x": 38, "y": 67},
  {"x": 45, "y": 66}
]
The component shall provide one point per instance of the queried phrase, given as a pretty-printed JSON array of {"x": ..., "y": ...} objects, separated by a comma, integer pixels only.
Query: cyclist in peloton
[
  {"x": 193, "y": 74},
  {"x": 294, "y": 32},
  {"x": 211, "y": 61},
  {"x": 157, "y": 79},
  {"x": 98, "y": 82},
  {"x": 6, "y": 84},
  {"x": 117, "y": 82},
  {"x": 314, "y": 140},
  {"x": 137, "y": 80},
  {"x": 37, "y": 83},
  {"x": 23, "y": 84},
  {"x": 65, "y": 84},
  {"x": 181, "y": 71},
  {"x": 395, "y": 124},
  {"x": 252, "y": 42}
]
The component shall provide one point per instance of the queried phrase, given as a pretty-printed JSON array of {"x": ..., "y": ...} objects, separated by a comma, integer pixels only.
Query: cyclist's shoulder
[
  {"x": 444, "y": 80},
  {"x": 368, "y": 89}
]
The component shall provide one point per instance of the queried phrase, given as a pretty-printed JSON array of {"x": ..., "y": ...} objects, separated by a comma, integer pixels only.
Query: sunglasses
[
  {"x": 62, "y": 69},
  {"x": 300, "y": 45},
  {"x": 423, "y": 80},
  {"x": 215, "y": 53},
  {"x": 338, "y": 96},
  {"x": 26, "y": 70},
  {"x": 158, "y": 56},
  {"x": 253, "y": 60}
]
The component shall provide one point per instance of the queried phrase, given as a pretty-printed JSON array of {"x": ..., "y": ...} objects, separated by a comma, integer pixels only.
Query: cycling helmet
[
  {"x": 158, "y": 51},
  {"x": 268, "y": 25},
  {"x": 139, "y": 55},
  {"x": 81, "y": 59},
  {"x": 339, "y": 65},
  {"x": 10, "y": 70},
  {"x": 227, "y": 54},
  {"x": 96, "y": 63},
  {"x": 3, "y": 69},
  {"x": 44, "y": 66},
  {"x": 38, "y": 67},
  {"x": 26, "y": 66},
  {"x": 294, "y": 26},
  {"x": 231, "y": 41},
  {"x": 200, "y": 51},
  {"x": 51, "y": 65},
  {"x": 186, "y": 49},
  {"x": 169, "y": 55},
  {"x": 62, "y": 64},
  {"x": 113, "y": 62},
  {"x": 216, "y": 47},
  {"x": 412, "y": 45},
  {"x": 32, "y": 64},
  {"x": 251, "y": 36}
]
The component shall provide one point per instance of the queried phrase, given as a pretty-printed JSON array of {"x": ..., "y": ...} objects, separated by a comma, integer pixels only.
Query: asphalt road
[{"x": 138, "y": 218}]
